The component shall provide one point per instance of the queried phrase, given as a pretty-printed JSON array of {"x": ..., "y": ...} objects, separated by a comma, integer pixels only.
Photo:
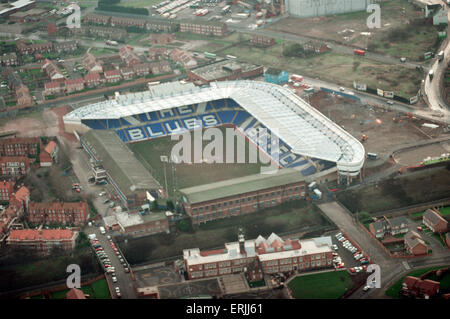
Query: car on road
[
  {"x": 109, "y": 237},
  {"x": 102, "y": 194},
  {"x": 403, "y": 60},
  {"x": 114, "y": 279},
  {"x": 118, "y": 292},
  {"x": 341, "y": 89},
  {"x": 366, "y": 288},
  {"x": 117, "y": 252},
  {"x": 390, "y": 102},
  {"x": 121, "y": 260},
  {"x": 106, "y": 201}
]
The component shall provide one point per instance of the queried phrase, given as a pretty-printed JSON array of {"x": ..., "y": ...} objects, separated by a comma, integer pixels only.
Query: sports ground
[
  {"x": 325, "y": 285},
  {"x": 192, "y": 174}
]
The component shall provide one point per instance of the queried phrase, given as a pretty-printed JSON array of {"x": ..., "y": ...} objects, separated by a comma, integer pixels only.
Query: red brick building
[
  {"x": 14, "y": 165},
  {"x": 128, "y": 56},
  {"x": 112, "y": 76},
  {"x": 58, "y": 213},
  {"x": 74, "y": 85},
  {"x": 242, "y": 195},
  {"x": 204, "y": 27},
  {"x": 53, "y": 87},
  {"x": 92, "y": 79},
  {"x": 261, "y": 40},
  {"x": 158, "y": 53},
  {"x": 19, "y": 146},
  {"x": 42, "y": 240},
  {"x": 273, "y": 254},
  {"x": 6, "y": 189},
  {"x": 418, "y": 288},
  {"x": 414, "y": 244},
  {"x": 97, "y": 19},
  {"x": 141, "y": 69},
  {"x": 433, "y": 220}
]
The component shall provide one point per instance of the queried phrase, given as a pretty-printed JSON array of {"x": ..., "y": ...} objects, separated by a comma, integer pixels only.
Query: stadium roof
[
  {"x": 119, "y": 161},
  {"x": 304, "y": 129},
  {"x": 240, "y": 185}
]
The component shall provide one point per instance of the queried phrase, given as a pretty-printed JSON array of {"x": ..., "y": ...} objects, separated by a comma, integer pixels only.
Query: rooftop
[
  {"x": 119, "y": 161},
  {"x": 240, "y": 185},
  {"x": 304, "y": 129},
  {"x": 222, "y": 69},
  {"x": 44, "y": 234}
]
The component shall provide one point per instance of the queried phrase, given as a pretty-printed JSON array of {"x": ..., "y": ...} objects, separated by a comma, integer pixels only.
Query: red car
[
  {"x": 99, "y": 249},
  {"x": 364, "y": 267},
  {"x": 352, "y": 270},
  {"x": 107, "y": 266}
]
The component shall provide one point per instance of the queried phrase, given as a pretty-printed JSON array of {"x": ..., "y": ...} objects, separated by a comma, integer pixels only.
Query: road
[
  {"x": 124, "y": 281},
  {"x": 392, "y": 269}
]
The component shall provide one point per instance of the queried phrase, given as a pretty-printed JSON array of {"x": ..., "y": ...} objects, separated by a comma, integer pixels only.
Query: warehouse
[
  {"x": 316, "y": 8},
  {"x": 224, "y": 70}
]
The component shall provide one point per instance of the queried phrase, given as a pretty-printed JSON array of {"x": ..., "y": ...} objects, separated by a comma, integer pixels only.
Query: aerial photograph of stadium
[{"x": 225, "y": 150}]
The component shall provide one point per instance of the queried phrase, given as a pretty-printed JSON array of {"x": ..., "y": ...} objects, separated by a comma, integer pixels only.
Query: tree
[{"x": 170, "y": 205}]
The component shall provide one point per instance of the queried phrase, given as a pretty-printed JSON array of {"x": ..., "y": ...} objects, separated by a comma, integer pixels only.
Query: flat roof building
[
  {"x": 225, "y": 70},
  {"x": 123, "y": 170}
]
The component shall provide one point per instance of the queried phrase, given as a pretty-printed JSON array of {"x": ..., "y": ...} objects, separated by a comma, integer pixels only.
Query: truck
[
  {"x": 359, "y": 52},
  {"x": 110, "y": 42},
  {"x": 440, "y": 56},
  {"x": 102, "y": 230},
  {"x": 317, "y": 194},
  {"x": 296, "y": 78}
]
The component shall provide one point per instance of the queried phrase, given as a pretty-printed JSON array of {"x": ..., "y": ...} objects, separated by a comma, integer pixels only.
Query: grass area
[
  {"x": 334, "y": 67},
  {"x": 256, "y": 284},
  {"x": 139, "y": 3},
  {"x": 284, "y": 218},
  {"x": 327, "y": 285},
  {"x": 418, "y": 214},
  {"x": 418, "y": 187},
  {"x": 394, "y": 290},
  {"x": 96, "y": 290},
  {"x": 102, "y": 51},
  {"x": 37, "y": 115},
  {"x": 191, "y": 174},
  {"x": 445, "y": 211}
]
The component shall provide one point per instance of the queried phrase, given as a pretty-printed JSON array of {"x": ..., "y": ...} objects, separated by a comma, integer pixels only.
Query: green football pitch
[{"x": 192, "y": 174}]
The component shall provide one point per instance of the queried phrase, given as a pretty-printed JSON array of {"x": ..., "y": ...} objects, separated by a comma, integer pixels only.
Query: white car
[
  {"x": 341, "y": 89},
  {"x": 114, "y": 279},
  {"x": 366, "y": 288},
  {"x": 358, "y": 269},
  {"x": 338, "y": 235}
]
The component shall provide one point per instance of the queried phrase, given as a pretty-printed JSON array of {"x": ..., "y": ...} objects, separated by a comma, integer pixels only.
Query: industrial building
[
  {"x": 316, "y": 8},
  {"x": 224, "y": 70}
]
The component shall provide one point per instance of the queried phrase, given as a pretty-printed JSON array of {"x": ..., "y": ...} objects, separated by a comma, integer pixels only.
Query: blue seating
[
  {"x": 298, "y": 163},
  {"x": 94, "y": 124},
  {"x": 308, "y": 171},
  {"x": 251, "y": 124},
  {"x": 185, "y": 110},
  {"x": 219, "y": 104},
  {"x": 240, "y": 117},
  {"x": 148, "y": 117},
  {"x": 191, "y": 122},
  {"x": 122, "y": 135},
  {"x": 124, "y": 122},
  {"x": 155, "y": 130},
  {"x": 209, "y": 120},
  {"x": 112, "y": 124},
  {"x": 167, "y": 114},
  {"x": 135, "y": 133},
  {"x": 232, "y": 103},
  {"x": 226, "y": 116},
  {"x": 172, "y": 126}
]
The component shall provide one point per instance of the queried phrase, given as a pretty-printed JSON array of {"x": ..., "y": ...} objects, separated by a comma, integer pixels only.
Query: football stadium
[{"x": 309, "y": 145}]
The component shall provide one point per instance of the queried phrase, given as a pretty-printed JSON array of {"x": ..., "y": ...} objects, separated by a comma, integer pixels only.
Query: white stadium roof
[{"x": 307, "y": 131}]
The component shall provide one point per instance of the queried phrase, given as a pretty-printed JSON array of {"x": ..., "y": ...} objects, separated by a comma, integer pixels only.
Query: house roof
[
  {"x": 44, "y": 234},
  {"x": 433, "y": 216},
  {"x": 412, "y": 239},
  {"x": 379, "y": 225},
  {"x": 112, "y": 73},
  {"x": 52, "y": 84},
  {"x": 398, "y": 221},
  {"x": 92, "y": 76},
  {"x": 75, "y": 293},
  {"x": 74, "y": 81},
  {"x": 50, "y": 147},
  {"x": 22, "y": 193}
]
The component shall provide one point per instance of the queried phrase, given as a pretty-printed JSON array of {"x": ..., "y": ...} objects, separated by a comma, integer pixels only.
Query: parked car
[
  {"x": 419, "y": 228},
  {"x": 114, "y": 279},
  {"x": 352, "y": 270},
  {"x": 127, "y": 270},
  {"x": 338, "y": 235},
  {"x": 366, "y": 288}
]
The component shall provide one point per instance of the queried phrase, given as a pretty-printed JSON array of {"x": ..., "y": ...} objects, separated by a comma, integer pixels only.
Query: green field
[
  {"x": 445, "y": 211},
  {"x": 149, "y": 152},
  {"x": 96, "y": 290},
  {"x": 139, "y": 3},
  {"x": 327, "y": 285},
  {"x": 394, "y": 290}
]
